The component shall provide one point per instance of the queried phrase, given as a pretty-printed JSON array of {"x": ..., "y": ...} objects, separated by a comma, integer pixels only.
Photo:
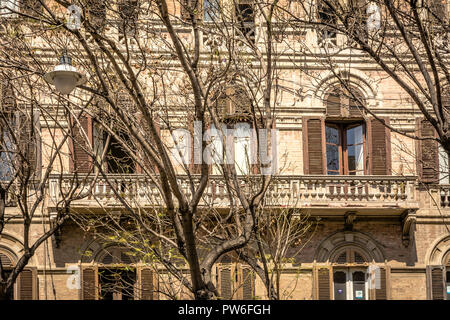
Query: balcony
[{"x": 374, "y": 194}]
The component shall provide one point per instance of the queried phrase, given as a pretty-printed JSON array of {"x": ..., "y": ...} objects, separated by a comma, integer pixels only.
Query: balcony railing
[{"x": 295, "y": 191}]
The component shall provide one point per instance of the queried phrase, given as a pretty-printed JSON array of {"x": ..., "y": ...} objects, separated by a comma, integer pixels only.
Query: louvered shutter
[
  {"x": 6, "y": 261},
  {"x": 81, "y": 161},
  {"x": 380, "y": 147},
  {"x": 382, "y": 288},
  {"x": 323, "y": 286},
  {"x": 224, "y": 281},
  {"x": 148, "y": 282},
  {"x": 29, "y": 141},
  {"x": 428, "y": 153},
  {"x": 89, "y": 283},
  {"x": 435, "y": 282},
  {"x": 27, "y": 284},
  {"x": 333, "y": 104},
  {"x": 8, "y": 100},
  {"x": 313, "y": 146},
  {"x": 247, "y": 283}
]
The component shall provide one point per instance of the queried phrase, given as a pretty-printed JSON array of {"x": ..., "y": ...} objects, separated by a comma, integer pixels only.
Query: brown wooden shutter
[
  {"x": 435, "y": 282},
  {"x": 81, "y": 161},
  {"x": 8, "y": 100},
  {"x": 313, "y": 146},
  {"x": 27, "y": 284},
  {"x": 246, "y": 283},
  {"x": 333, "y": 104},
  {"x": 149, "y": 284},
  {"x": 29, "y": 134},
  {"x": 379, "y": 147},
  {"x": 89, "y": 283},
  {"x": 323, "y": 282},
  {"x": 427, "y": 153},
  {"x": 224, "y": 280},
  {"x": 382, "y": 292}
]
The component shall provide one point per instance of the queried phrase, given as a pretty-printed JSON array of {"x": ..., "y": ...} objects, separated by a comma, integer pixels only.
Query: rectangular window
[
  {"x": 444, "y": 176},
  {"x": 211, "y": 10},
  {"x": 117, "y": 284},
  {"x": 246, "y": 19},
  {"x": 6, "y": 149},
  {"x": 326, "y": 34},
  {"x": 350, "y": 284},
  {"x": 345, "y": 148}
]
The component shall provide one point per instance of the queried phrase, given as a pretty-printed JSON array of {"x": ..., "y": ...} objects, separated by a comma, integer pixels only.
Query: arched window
[
  {"x": 25, "y": 287},
  {"x": 350, "y": 282}
]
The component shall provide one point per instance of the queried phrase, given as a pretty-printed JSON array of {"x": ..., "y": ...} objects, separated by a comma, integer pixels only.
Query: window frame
[{"x": 343, "y": 128}]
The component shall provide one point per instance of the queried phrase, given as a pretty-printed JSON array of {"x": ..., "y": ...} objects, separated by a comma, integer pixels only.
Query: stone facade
[{"x": 401, "y": 226}]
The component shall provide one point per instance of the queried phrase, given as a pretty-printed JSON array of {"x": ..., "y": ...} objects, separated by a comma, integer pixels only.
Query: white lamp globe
[{"x": 64, "y": 76}]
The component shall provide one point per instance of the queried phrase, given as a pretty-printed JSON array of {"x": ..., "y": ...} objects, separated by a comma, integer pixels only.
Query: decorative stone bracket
[{"x": 408, "y": 221}]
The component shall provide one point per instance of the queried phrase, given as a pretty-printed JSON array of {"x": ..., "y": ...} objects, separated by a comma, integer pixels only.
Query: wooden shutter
[
  {"x": 81, "y": 161},
  {"x": 246, "y": 283},
  {"x": 383, "y": 291},
  {"x": 148, "y": 284},
  {"x": 224, "y": 280},
  {"x": 313, "y": 146},
  {"x": 427, "y": 153},
  {"x": 435, "y": 282},
  {"x": 379, "y": 147},
  {"x": 29, "y": 134},
  {"x": 333, "y": 104},
  {"x": 323, "y": 282},
  {"x": 8, "y": 100},
  {"x": 27, "y": 284},
  {"x": 89, "y": 283}
]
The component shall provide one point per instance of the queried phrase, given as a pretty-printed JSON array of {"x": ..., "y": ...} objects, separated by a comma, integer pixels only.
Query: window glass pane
[
  {"x": 340, "y": 282},
  {"x": 210, "y": 10},
  {"x": 332, "y": 135},
  {"x": 359, "y": 285},
  {"x": 443, "y": 166},
  {"x": 355, "y": 150},
  {"x": 355, "y": 135},
  {"x": 6, "y": 157},
  {"x": 242, "y": 148},
  {"x": 355, "y": 159},
  {"x": 332, "y": 159},
  {"x": 447, "y": 287}
]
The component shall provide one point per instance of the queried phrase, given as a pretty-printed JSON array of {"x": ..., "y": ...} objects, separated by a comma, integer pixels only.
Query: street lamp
[{"x": 65, "y": 76}]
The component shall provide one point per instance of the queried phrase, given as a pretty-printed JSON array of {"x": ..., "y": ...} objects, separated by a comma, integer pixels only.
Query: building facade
[{"x": 380, "y": 198}]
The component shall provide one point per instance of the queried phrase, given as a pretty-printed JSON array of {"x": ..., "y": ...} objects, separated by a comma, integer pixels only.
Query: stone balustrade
[{"x": 292, "y": 191}]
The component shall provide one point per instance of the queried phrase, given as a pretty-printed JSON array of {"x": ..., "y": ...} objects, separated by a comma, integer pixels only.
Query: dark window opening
[
  {"x": 447, "y": 284},
  {"x": 96, "y": 13},
  {"x": 7, "y": 147},
  {"x": 327, "y": 35},
  {"x": 340, "y": 285},
  {"x": 118, "y": 159},
  {"x": 129, "y": 12},
  {"x": 117, "y": 284},
  {"x": 246, "y": 19}
]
